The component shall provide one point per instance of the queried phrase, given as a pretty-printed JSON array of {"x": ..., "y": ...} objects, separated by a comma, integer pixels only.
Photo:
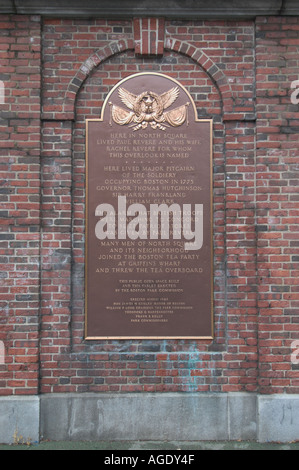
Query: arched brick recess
[
  {"x": 150, "y": 365},
  {"x": 88, "y": 105}
]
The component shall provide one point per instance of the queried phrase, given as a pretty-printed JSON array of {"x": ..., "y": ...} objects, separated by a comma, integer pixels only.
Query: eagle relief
[{"x": 148, "y": 108}]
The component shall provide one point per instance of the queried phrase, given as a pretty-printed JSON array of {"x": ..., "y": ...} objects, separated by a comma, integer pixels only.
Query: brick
[
  {"x": 21, "y": 219},
  {"x": 255, "y": 199},
  {"x": 149, "y": 36}
]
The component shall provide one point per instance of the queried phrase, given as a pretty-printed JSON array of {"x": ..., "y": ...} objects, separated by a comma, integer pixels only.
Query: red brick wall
[
  {"x": 277, "y": 201},
  {"x": 239, "y": 74},
  {"x": 20, "y": 60}
]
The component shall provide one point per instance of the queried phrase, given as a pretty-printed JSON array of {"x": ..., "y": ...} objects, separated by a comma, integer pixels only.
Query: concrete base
[
  {"x": 148, "y": 417},
  {"x": 19, "y": 420},
  {"x": 167, "y": 417},
  {"x": 278, "y": 418}
]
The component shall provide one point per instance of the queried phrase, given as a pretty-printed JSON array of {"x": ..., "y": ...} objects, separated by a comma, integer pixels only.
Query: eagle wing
[
  {"x": 128, "y": 98},
  {"x": 169, "y": 97}
]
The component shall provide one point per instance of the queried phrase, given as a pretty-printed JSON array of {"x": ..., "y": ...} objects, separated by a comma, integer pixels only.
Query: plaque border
[{"x": 101, "y": 119}]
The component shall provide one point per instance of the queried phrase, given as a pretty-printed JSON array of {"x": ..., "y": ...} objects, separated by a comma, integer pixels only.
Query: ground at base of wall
[{"x": 173, "y": 446}]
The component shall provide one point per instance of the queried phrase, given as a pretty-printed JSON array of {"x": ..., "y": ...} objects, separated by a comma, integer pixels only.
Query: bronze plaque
[{"x": 149, "y": 214}]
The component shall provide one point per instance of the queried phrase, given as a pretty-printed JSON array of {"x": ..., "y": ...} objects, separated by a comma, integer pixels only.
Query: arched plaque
[{"x": 149, "y": 256}]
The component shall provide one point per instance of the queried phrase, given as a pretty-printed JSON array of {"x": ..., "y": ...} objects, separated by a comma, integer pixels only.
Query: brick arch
[
  {"x": 86, "y": 69},
  {"x": 207, "y": 64},
  {"x": 175, "y": 45}
]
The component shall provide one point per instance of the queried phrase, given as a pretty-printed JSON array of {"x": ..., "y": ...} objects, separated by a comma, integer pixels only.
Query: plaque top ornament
[{"x": 148, "y": 108}]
